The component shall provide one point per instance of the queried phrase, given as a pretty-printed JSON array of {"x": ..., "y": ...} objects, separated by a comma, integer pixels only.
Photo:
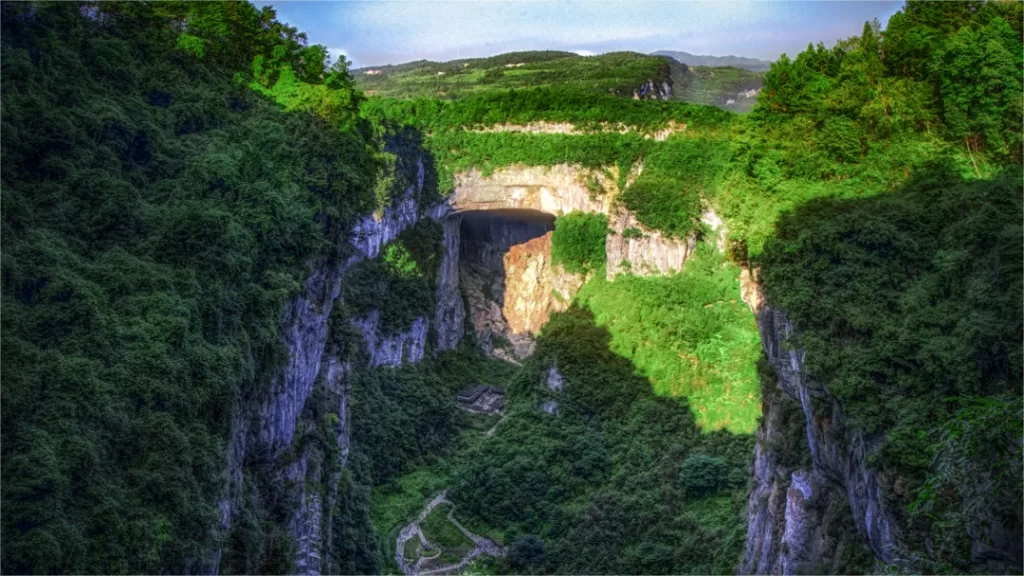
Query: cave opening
[
  {"x": 508, "y": 278},
  {"x": 488, "y": 234}
]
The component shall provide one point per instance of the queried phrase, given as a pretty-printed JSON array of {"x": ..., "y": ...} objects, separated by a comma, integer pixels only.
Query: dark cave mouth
[
  {"x": 487, "y": 240},
  {"x": 505, "y": 228}
]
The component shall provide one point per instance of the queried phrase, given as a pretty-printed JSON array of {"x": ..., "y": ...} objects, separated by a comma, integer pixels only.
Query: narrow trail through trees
[{"x": 482, "y": 544}]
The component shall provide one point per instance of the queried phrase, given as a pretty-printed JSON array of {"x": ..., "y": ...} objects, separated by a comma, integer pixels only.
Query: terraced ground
[
  {"x": 619, "y": 73},
  {"x": 616, "y": 72}
]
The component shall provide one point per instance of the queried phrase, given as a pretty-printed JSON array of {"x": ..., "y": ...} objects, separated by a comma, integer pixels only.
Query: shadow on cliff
[
  {"x": 406, "y": 144},
  {"x": 600, "y": 382},
  {"x": 910, "y": 309},
  {"x": 487, "y": 237}
]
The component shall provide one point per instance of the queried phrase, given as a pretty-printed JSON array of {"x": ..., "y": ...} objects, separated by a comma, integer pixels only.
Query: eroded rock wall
[
  {"x": 647, "y": 252},
  {"x": 391, "y": 349},
  {"x": 449, "y": 312},
  {"x": 564, "y": 188},
  {"x": 266, "y": 423},
  {"x": 544, "y": 127},
  {"x": 510, "y": 283},
  {"x": 822, "y": 508},
  {"x": 654, "y": 89},
  {"x": 535, "y": 287},
  {"x": 838, "y": 452},
  {"x": 554, "y": 190},
  {"x": 798, "y": 520}
]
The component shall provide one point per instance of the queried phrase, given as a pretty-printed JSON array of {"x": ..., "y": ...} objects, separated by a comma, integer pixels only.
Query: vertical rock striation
[
  {"x": 645, "y": 251},
  {"x": 511, "y": 284},
  {"x": 392, "y": 349},
  {"x": 372, "y": 233},
  {"x": 838, "y": 452},
  {"x": 305, "y": 319},
  {"x": 449, "y": 311},
  {"x": 265, "y": 423},
  {"x": 816, "y": 509},
  {"x": 535, "y": 287},
  {"x": 798, "y": 521},
  {"x": 654, "y": 89}
]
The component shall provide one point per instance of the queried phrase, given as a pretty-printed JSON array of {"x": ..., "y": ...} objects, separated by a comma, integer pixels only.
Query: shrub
[
  {"x": 701, "y": 474},
  {"x": 526, "y": 552},
  {"x": 578, "y": 241}
]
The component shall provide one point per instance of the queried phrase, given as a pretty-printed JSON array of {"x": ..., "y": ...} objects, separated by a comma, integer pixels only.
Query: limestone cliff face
[
  {"x": 796, "y": 512},
  {"x": 836, "y": 485},
  {"x": 266, "y": 422},
  {"x": 449, "y": 313},
  {"x": 544, "y": 127},
  {"x": 493, "y": 335},
  {"x": 509, "y": 282},
  {"x": 554, "y": 190},
  {"x": 563, "y": 188},
  {"x": 391, "y": 349},
  {"x": 798, "y": 521},
  {"x": 535, "y": 287},
  {"x": 648, "y": 252},
  {"x": 838, "y": 453},
  {"x": 654, "y": 89}
]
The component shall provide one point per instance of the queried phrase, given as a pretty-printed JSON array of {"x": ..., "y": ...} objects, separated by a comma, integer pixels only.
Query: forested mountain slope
[
  {"x": 241, "y": 299},
  {"x": 157, "y": 215},
  {"x": 742, "y": 62},
  {"x": 619, "y": 73}
]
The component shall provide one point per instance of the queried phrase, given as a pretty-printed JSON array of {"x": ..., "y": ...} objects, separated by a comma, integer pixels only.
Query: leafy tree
[
  {"x": 702, "y": 474},
  {"x": 158, "y": 215},
  {"x": 978, "y": 75},
  {"x": 527, "y": 553},
  {"x": 919, "y": 315},
  {"x": 578, "y": 241}
]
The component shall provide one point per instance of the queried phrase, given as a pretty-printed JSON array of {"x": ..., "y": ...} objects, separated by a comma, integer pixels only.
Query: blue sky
[{"x": 395, "y": 31}]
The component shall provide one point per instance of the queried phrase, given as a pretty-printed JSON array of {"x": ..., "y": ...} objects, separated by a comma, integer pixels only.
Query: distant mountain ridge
[{"x": 743, "y": 62}]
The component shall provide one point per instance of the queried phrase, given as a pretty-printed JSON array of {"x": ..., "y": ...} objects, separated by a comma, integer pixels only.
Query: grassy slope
[
  {"x": 689, "y": 334},
  {"x": 619, "y": 73}
]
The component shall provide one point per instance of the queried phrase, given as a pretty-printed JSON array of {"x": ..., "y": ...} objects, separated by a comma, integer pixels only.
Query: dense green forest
[
  {"x": 833, "y": 175},
  {"x": 157, "y": 214},
  {"x": 909, "y": 306},
  {"x": 170, "y": 169}
]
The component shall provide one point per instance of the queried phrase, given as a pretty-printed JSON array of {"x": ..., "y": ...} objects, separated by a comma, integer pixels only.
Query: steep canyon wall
[
  {"x": 267, "y": 422},
  {"x": 495, "y": 271},
  {"x": 817, "y": 504}
]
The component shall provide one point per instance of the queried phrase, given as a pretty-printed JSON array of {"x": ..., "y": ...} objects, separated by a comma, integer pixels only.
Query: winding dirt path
[{"x": 482, "y": 544}]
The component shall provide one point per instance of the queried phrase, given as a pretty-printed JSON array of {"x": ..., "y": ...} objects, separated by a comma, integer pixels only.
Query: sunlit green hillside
[{"x": 617, "y": 73}]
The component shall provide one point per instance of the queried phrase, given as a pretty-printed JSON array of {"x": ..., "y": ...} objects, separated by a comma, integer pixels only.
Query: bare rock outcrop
[
  {"x": 815, "y": 507},
  {"x": 265, "y": 422},
  {"x": 449, "y": 311},
  {"x": 535, "y": 287},
  {"x": 563, "y": 188}
]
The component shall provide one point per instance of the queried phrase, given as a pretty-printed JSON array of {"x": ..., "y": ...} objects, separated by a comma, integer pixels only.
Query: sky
[{"x": 396, "y": 31}]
